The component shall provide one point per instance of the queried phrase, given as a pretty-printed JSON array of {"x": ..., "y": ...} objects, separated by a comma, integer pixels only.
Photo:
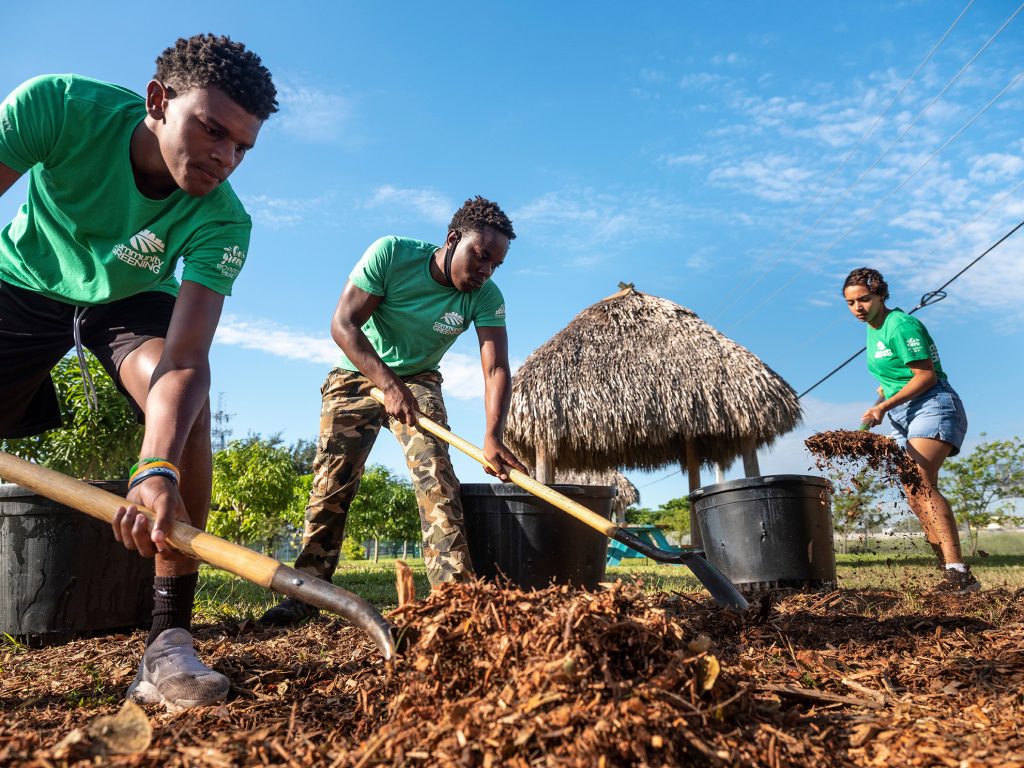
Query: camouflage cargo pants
[{"x": 349, "y": 423}]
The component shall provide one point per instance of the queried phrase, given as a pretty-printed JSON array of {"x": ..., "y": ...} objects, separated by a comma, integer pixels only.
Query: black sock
[{"x": 173, "y": 598}]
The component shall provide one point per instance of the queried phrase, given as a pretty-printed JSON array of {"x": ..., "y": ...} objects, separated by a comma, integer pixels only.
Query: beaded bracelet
[
  {"x": 141, "y": 462},
  {"x": 154, "y": 464},
  {"x": 145, "y": 474}
]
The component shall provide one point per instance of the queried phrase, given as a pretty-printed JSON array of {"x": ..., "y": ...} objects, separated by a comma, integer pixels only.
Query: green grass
[{"x": 891, "y": 564}]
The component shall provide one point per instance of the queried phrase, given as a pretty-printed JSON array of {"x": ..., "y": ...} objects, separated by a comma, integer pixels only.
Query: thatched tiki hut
[{"x": 638, "y": 382}]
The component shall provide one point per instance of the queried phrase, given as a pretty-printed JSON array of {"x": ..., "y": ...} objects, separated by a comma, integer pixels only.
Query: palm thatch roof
[{"x": 633, "y": 378}]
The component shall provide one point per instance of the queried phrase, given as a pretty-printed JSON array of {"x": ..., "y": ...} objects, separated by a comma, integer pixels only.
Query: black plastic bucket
[
  {"x": 516, "y": 536},
  {"x": 769, "y": 532},
  {"x": 62, "y": 573}
]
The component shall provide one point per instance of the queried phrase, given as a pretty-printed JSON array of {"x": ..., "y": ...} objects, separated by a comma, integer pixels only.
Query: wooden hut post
[
  {"x": 750, "y": 466},
  {"x": 693, "y": 474},
  {"x": 545, "y": 466}
]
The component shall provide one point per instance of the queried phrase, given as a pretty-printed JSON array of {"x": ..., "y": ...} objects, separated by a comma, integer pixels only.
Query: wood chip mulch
[
  {"x": 843, "y": 449},
  {"x": 492, "y": 676}
]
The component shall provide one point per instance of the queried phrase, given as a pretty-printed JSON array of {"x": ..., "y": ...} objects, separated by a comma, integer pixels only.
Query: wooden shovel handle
[
  {"x": 236, "y": 559},
  {"x": 523, "y": 480}
]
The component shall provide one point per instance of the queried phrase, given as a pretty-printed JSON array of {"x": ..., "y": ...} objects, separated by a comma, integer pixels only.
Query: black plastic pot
[
  {"x": 769, "y": 532},
  {"x": 516, "y": 536},
  {"x": 62, "y": 573}
]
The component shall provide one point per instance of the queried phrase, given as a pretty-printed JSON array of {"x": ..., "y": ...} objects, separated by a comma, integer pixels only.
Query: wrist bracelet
[
  {"x": 141, "y": 462},
  {"x": 145, "y": 474},
  {"x": 153, "y": 464}
]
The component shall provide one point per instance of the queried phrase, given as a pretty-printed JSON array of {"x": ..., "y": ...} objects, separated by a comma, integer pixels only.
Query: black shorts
[{"x": 36, "y": 332}]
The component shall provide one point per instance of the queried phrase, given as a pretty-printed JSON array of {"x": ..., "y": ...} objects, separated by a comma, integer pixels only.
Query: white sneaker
[{"x": 170, "y": 674}]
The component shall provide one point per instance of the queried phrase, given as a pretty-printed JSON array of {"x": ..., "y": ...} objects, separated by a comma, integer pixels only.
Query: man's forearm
[
  {"x": 360, "y": 351},
  {"x": 176, "y": 396},
  {"x": 497, "y": 399}
]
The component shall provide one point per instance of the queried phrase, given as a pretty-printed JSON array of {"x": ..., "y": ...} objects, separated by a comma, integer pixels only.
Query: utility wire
[
  {"x": 1002, "y": 198},
  {"x": 879, "y": 159},
  {"x": 825, "y": 184},
  {"x": 929, "y": 298},
  {"x": 881, "y": 202}
]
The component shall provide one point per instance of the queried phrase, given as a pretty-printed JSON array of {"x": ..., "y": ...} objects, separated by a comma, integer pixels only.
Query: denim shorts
[{"x": 938, "y": 414}]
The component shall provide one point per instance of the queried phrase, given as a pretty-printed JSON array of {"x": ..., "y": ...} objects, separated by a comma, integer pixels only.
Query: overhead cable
[
  {"x": 930, "y": 253},
  {"x": 825, "y": 184},
  {"x": 881, "y": 202},
  {"x": 929, "y": 298}
]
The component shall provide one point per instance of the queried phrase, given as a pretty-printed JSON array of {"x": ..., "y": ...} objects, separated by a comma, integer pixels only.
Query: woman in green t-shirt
[{"x": 926, "y": 414}]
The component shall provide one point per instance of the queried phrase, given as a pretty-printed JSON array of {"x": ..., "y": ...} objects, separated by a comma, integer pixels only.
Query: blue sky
[{"x": 736, "y": 158}]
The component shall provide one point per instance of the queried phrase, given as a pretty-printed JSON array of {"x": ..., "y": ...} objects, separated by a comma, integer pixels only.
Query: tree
[
  {"x": 253, "y": 497},
  {"x": 980, "y": 485},
  {"x": 384, "y": 508},
  {"x": 854, "y": 503},
  {"x": 303, "y": 452},
  {"x": 96, "y": 444},
  {"x": 673, "y": 516}
]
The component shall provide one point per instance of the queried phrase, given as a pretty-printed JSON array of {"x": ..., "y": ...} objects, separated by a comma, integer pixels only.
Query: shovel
[
  {"x": 722, "y": 590},
  {"x": 251, "y": 566}
]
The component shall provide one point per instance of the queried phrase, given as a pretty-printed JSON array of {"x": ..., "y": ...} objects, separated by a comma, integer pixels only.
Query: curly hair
[
  {"x": 479, "y": 212},
  {"x": 871, "y": 279},
  {"x": 205, "y": 61}
]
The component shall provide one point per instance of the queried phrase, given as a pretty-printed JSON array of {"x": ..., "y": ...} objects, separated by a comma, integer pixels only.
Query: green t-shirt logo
[
  {"x": 451, "y": 324},
  {"x": 143, "y": 251},
  {"x": 232, "y": 261},
  {"x": 902, "y": 339}
]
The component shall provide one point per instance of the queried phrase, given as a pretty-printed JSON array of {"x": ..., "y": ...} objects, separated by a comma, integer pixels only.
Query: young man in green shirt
[
  {"x": 120, "y": 189},
  {"x": 404, "y": 305}
]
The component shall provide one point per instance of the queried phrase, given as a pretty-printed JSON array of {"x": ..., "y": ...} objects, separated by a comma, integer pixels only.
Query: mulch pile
[
  {"x": 492, "y": 676},
  {"x": 841, "y": 449}
]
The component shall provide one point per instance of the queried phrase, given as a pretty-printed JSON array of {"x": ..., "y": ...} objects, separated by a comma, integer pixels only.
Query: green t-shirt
[
  {"x": 419, "y": 319},
  {"x": 902, "y": 339},
  {"x": 86, "y": 235}
]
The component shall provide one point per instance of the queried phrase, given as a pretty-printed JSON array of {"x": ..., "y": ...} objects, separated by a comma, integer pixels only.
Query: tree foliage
[
  {"x": 673, "y": 516},
  {"x": 254, "y": 496},
  {"x": 100, "y": 444},
  {"x": 979, "y": 486},
  {"x": 855, "y": 505},
  {"x": 385, "y": 508}
]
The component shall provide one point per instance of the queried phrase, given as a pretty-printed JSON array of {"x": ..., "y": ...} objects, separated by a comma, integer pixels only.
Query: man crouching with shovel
[
  {"x": 121, "y": 188},
  {"x": 404, "y": 305}
]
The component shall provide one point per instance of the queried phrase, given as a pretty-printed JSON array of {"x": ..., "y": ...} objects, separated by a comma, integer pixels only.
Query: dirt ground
[{"x": 495, "y": 677}]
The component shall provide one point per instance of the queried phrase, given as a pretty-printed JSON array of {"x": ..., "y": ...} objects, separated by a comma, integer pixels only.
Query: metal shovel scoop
[
  {"x": 722, "y": 590},
  {"x": 251, "y": 566}
]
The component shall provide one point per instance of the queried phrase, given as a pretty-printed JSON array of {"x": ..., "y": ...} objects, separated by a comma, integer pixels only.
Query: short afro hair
[
  {"x": 205, "y": 61},
  {"x": 869, "y": 278},
  {"x": 479, "y": 212}
]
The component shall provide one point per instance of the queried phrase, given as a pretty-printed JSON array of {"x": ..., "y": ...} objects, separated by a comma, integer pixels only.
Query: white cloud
[
  {"x": 726, "y": 58},
  {"x": 589, "y": 227},
  {"x": 283, "y": 212},
  {"x": 311, "y": 114},
  {"x": 995, "y": 167},
  {"x": 775, "y": 178},
  {"x": 463, "y": 377},
  {"x": 789, "y": 455},
  {"x": 702, "y": 81},
  {"x": 428, "y": 203},
  {"x": 691, "y": 159},
  {"x": 274, "y": 339}
]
